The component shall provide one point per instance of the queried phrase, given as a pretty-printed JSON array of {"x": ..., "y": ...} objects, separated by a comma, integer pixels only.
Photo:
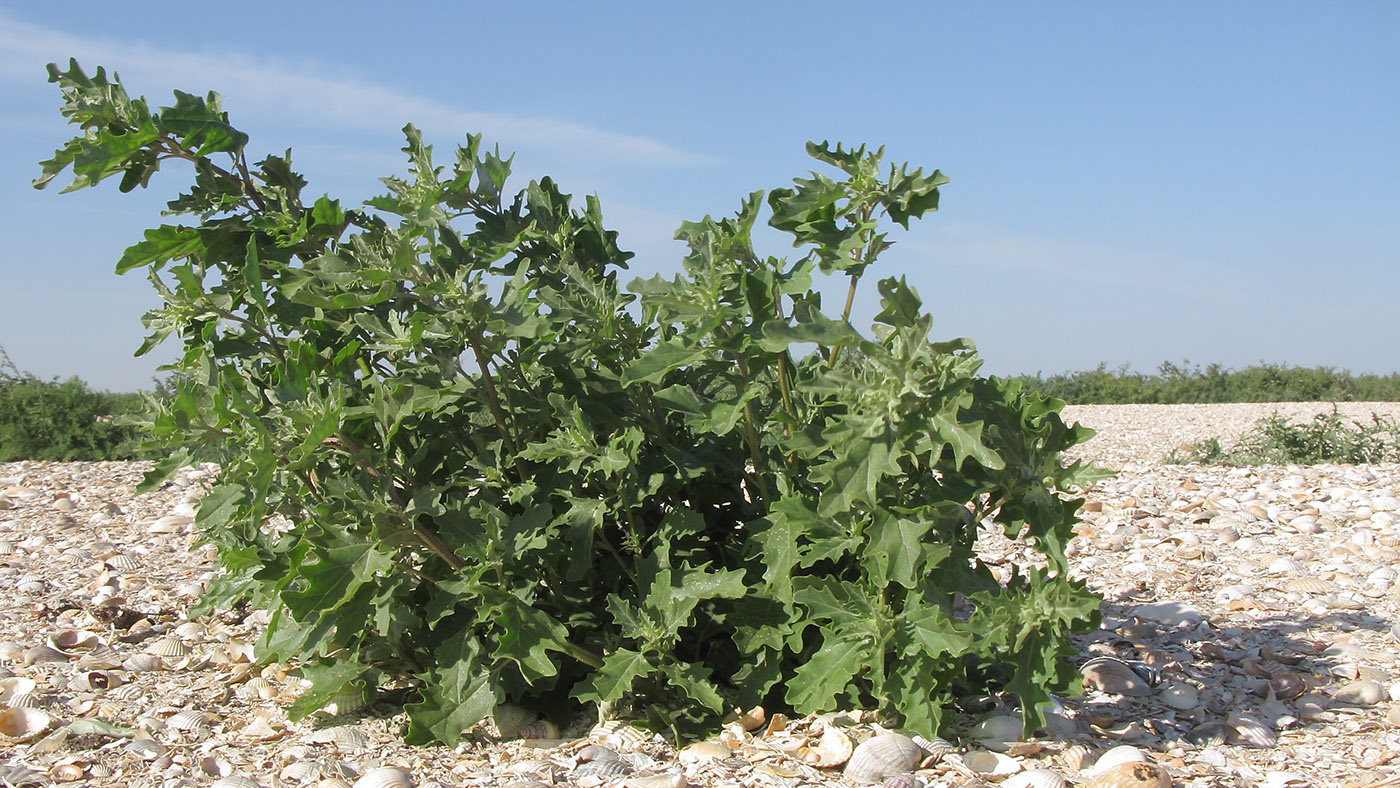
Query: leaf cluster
[
  {"x": 1328, "y": 438},
  {"x": 457, "y": 450},
  {"x": 1184, "y": 382}
]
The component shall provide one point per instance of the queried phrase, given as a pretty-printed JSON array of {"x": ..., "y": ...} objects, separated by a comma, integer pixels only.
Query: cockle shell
[
  {"x": 342, "y": 737},
  {"x": 298, "y": 772},
  {"x": 1036, "y": 778},
  {"x": 170, "y": 647},
  {"x": 881, "y": 757},
  {"x": 387, "y": 777},
  {"x": 543, "y": 729},
  {"x": 1363, "y": 692},
  {"x": 1132, "y": 775},
  {"x": 1208, "y": 734},
  {"x": 934, "y": 749},
  {"x": 902, "y": 781},
  {"x": 91, "y": 680},
  {"x": 235, "y": 781},
  {"x": 510, "y": 719},
  {"x": 101, "y": 657},
  {"x": 1116, "y": 757},
  {"x": 1245, "y": 729},
  {"x": 187, "y": 720},
  {"x": 21, "y": 723},
  {"x": 618, "y": 735},
  {"x": 348, "y": 700},
  {"x": 41, "y": 654},
  {"x": 68, "y": 771},
  {"x": 138, "y": 663},
  {"x": 999, "y": 728},
  {"x": 602, "y": 767},
  {"x": 73, "y": 640},
  {"x": 833, "y": 749},
  {"x": 14, "y": 688},
  {"x": 1114, "y": 676},
  {"x": 1180, "y": 695},
  {"x": 991, "y": 764}
]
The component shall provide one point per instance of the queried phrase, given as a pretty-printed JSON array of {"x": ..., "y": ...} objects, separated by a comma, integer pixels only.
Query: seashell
[
  {"x": 1132, "y": 775},
  {"x": 753, "y": 719},
  {"x": 332, "y": 782},
  {"x": 1308, "y": 585},
  {"x": 96, "y": 680},
  {"x": 21, "y": 723},
  {"x": 235, "y": 781},
  {"x": 124, "y": 562},
  {"x": 1209, "y": 734},
  {"x": 1113, "y": 676},
  {"x": 1286, "y": 685},
  {"x": 703, "y": 751},
  {"x": 997, "y": 728},
  {"x": 300, "y": 772},
  {"x": 42, "y": 654},
  {"x": 342, "y": 737},
  {"x": 1312, "y": 707},
  {"x": 187, "y": 720},
  {"x": 170, "y": 647},
  {"x": 1117, "y": 756},
  {"x": 618, "y": 735},
  {"x": 833, "y": 749},
  {"x": 101, "y": 657},
  {"x": 31, "y": 587},
  {"x": 881, "y": 757},
  {"x": 128, "y": 692},
  {"x": 386, "y": 777},
  {"x": 935, "y": 749},
  {"x": 602, "y": 767},
  {"x": 1363, "y": 692},
  {"x": 68, "y": 771},
  {"x": 191, "y": 630},
  {"x": 510, "y": 719},
  {"x": 14, "y": 687},
  {"x": 146, "y": 749},
  {"x": 20, "y": 776},
  {"x": 71, "y": 640},
  {"x": 140, "y": 663},
  {"x": 594, "y": 752},
  {"x": 1036, "y": 778},
  {"x": 348, "y": 700},
  {"x": 902, "y": 781},
  {"x": 671, "y": 780},
  {"x": 1180, "y": 696},
  {"x": 1249, "y": 730},
  {"x": 1286, "y": 566},
  {"x": 544, "y": 729},
  {"x": 991, "y": 764}
]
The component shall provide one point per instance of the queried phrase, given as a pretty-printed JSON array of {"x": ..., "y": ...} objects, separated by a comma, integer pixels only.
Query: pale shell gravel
[{"x": 1182, "y": 555}]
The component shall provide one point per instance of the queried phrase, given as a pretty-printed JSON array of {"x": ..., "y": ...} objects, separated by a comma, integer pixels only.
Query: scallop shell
[
  {"x": 881, "y": 757},
  {"x": 1208, "y": 734},
  {"x": 124, "y": 561},
  {"x": 1132, "y": 775},
  {"x": 128, "y": 692},
  {"x": 602, "y": 767},
  {"x": 991, "y": 764},
  {"x": 1180, "y": 696},
  {"x": 101, "y": 657},
  {"x": 21, "y": 723},
  {"x": 342, "y": 737},
  {"x": 1036, "y": 778},
  {"x": 1117, "y": 756},
  {"x": 934, "y": 749},
  {"x": 170, "y": 647},
  {"x": 1114, "y": 676},
  {"x": 1245, "y": 729},
  {"x": 235, "y": 781},
  {"x": 300, "y": 772},
  {"x": 1308, "y": 585},
  {"x": 902, "y": 781},
  {"x": 387, "y": 777},
  {"x": 350, "y": 699},
  {"x": 833, "y": 749}
]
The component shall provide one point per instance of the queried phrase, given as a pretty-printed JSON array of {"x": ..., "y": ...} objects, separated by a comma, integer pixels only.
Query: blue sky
[{"x": 1130, "y": 183}]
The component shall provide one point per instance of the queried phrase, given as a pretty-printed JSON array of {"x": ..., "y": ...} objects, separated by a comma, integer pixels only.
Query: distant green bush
[
  {"x": 1182, "y": 383},
  {"x": 53, "y": 420},
  {"x": 1328, "y": 438}
]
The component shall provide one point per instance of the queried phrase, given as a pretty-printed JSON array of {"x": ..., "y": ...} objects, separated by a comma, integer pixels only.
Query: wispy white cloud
[{"x": 310, "y": 93}]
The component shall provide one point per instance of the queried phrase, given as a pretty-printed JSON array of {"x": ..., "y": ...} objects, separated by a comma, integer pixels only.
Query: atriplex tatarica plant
[{"x": 453, "y": 459}]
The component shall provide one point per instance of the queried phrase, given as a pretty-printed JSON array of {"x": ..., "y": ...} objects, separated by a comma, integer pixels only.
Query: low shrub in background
[
  {"x": 1182, "y": 383},
  {"x": 1328, "y": 438},
  {"x": 64, "y": 420}
]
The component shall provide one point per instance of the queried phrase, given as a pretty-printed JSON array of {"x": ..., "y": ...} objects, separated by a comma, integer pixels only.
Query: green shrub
[
  {"x": 502, "y": 485},
  {"x": 52, "y": 420},
  {"x": 1183, "y": 383},
  {"x": 1328, "y": 438}
]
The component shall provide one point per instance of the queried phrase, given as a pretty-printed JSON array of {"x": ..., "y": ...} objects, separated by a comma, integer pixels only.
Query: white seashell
[
  {"x": 1113, "y": 676},
  {"x": 20, "y": 724},
  {"x": 350, "y": 699},
  {"x": 41, "y": 654},
  {"x": 991, "y": 764},
  {"x": 124, "y": 561},
  {"x": 1115, "y": 757},
  {"x": 1036, "y": 778},
  {"x": 387, "y": 777},
  {"x": 139, "y": 663},
  {"x": 168, "y": 647},
  {"x": 300, "y": 772},
  {"x": 1286, "y": 566},
  {"x": 1180, "y": 696},
  {"x": 618, "y": 735},
  {"x": 96, "y": 680},
  {"x": 332, "y": 782},
  {"x": 342, "y": 737},
  {"x": 191, "y": 630},
  {"x": 602, "y": 767},
  {"x": 187, "y": 720},
  {"x": 1132, "y": 775},
  {"x": 703, "y": 751},
  {"x": 832, "y": 750},
  {"x": 997, "y": 728},
  {"x": 31, "y": 587},
  {"x": 1245, "y": 729},
  {"x": 101, "y": 657},
  {"x": 15, "y": 687},
  {"x": 881, "y": 757},
  {"x": 128, "y": 692},
  {"x": 235, "y": 781},
  {"x": 1364, "y": 692},
  {"x": 1308, "y": 585},
  {"x": 934, "y": 749},
  {"x": 72, "y": 640}
]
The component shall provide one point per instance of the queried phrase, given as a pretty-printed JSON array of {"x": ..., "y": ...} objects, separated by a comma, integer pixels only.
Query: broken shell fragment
[
  {"x": 15, "y": 687},
  {"x": 881, "y": 757},
  {"x": 833, "y": 749},
  {"x": 1116, "y": 757},
  {"x": 1132, "y": 775},
  {"x": 235, "y": 781},
  {"x": 618, "y": 735},
  {"x": 703, "y": 751},
  {"x": 543, "y": 729}
]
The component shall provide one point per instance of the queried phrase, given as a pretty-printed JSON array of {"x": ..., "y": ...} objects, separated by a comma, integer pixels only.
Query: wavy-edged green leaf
[{"x": 457, "y": 694}]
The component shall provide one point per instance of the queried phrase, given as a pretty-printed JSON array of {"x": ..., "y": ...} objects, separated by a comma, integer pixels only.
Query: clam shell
[
  {"x": 300, "y": 772},
  {"x": 753, "y": 719},
  {"x": 1363, "y": 692},
  {"x": 386, "y": 777},
  {"x": 879, "y": 758},
  {"x": 1286, "y": 685},
  {"x": 991, "y": 764},
  {"x": 833, "y": 749},
  {"x": 342, "y": 737},
  {"x": 71, "y": 640},
  {"x": 15, "y": 687},
  {"x": 44, "y": 653},
  {"x": 602, "y": 767},
  {"x": 332, "y": 782},
  {"x": 191, "y": 630},
  {"x": 235, "y": 781},
  {"x": 101, "y": 657},
  {"x": 902, "y": 781},
  {"x": 702, "y": 751},
  {"x": 1248, "y": 730},
  {"x": 1132, "y": 775},
  {"x": 1036, "y": 778},
  {"x": 1117, "y": 756},
  {"x": 618, "y": 735},
  {"x": 67, "y": 771},
  {"x": 20, "y": 724},
  {"x": 139, "y": 663},
  {"x": 187, "y": 720},
  {"x": 997, "y": 728},
  {"x": 1113, "y": 676},
  {"x": 1208, "y": 734},
  {"x": 510, "y": 719},
  {"x": 350, "y": 699},
  {"x": 96, "y": 680},
  {"x": 544, "y": 729},
  {"x": 934, "y": 749}
]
